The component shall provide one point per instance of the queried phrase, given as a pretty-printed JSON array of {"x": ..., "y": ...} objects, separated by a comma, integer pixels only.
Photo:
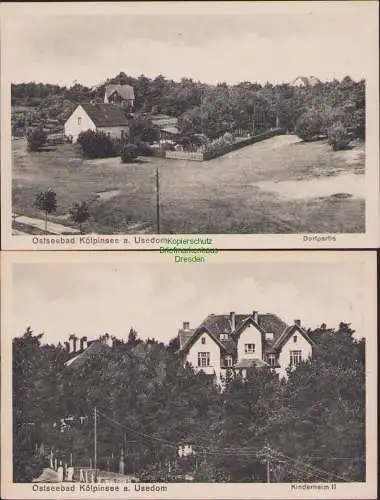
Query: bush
[
  {"x": 36, "y": 139},
  {"x": 144, "y": 149},
  {"x": 309, "y": 125},
  {"x": 97, "y": 144},
  {"x": 129, "y": 153},
  {"x": 338, "y": 136}
]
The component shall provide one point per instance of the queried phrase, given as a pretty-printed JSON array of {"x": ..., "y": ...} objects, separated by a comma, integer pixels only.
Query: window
[
  {"x": 295, "y": 338},
  {"x": 249, "y": 348},
  {"x": 295, "y": 357},
  {"x": 271, "y": 359},
  {"x": 229, "y": 360},
  {"x": 203, "y": 340},
  {"x": 79, "y": 120},
  {"x": 203, "y": 359},
  {"x": 223, "y": 336}
]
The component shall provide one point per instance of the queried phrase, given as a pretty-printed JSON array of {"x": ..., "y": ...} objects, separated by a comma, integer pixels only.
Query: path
[{"x": 52, "y": 227}]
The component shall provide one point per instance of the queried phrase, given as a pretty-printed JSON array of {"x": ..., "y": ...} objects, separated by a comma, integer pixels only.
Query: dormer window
[
  {"x": 294, "y": 338},
  {"x": 223, "y": 336},
  {"x": 203, "y": 340}
]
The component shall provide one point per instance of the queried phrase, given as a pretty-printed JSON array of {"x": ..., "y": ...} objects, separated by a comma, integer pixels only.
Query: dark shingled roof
[
  {"x": 125, "y": 91},
  {"x": 106, "y": 115},
  {"x": 184, "y": 336},
  {"x": 218, "y": 324}
]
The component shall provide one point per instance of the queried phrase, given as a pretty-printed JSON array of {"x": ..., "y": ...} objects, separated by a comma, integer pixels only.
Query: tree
[
  {"x": 46, "y": 201},
  {"x": 36, "y": 139},
  {"x": 338, "y": 136},
  {"x": 129, "y": 153},
  {"x": 80, "y": 214},
  {"x": 309, "y": 125}
]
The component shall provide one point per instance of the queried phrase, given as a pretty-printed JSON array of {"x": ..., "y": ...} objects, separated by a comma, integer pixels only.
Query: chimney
[
  {"x": 83, "y": 343},
  {"x": 255, "y": 316},
  {"x": 297, "y": 322},
  {"x": 186, "y": 325},
  {"x": 67, "y": 346},
  {"x": 108, "y": 340},
  {"x": 233, "y": 321},
  {"x": 72, "y": 344}
]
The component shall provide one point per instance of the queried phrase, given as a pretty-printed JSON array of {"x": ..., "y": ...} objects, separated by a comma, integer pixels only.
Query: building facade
[{"x": 235, "y": 343}]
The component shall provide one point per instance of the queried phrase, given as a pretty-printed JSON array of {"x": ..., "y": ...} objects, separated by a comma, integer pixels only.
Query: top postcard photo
[{"x": 161, "y": 125}]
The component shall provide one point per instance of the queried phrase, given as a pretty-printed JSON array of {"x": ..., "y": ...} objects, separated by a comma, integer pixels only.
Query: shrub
[
  {"x": 338, "y": 136},
  {"x": 129, "y": 153},
  {"x": 309, "y": 125},
  {"x": 97, "y": 144},
  {"x": 36, "y": 139},
  {"x": 144, "y": 149}
]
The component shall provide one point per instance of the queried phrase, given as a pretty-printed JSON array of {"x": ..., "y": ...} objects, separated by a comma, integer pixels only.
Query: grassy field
[{"x": 242, "y": 192}]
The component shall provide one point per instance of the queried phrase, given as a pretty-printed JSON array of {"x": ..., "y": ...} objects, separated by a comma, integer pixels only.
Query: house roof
[
  {"x": 305, "y": 80},
  {"x": 95, "y": 348},
  {"x": 125, "y": 91},
  {"x": 280, "y": 341},
  {"x": 197, "y": 332},
  {"x": 106, "y": 115},
  {"x": 184, "y": 336},
  {"x": 170, "y": 130},
  {"x": 217, "y": 324}
]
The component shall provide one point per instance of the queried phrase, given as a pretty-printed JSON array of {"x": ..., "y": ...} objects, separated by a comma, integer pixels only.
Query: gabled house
[
  {"x": 238, "y": 342},
  {"x": 122, "y": 95},
  {"x": 305, "y": 81},
  {"x": 107, "y": 118}
]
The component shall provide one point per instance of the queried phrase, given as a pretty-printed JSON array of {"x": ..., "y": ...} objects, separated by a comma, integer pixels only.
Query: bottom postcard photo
[{"x": 128, "y": 375}]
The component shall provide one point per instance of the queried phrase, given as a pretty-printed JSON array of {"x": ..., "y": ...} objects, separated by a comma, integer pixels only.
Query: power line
[
  {"x": 293, "y": 463},
  {"x": 146, "y": 436}
]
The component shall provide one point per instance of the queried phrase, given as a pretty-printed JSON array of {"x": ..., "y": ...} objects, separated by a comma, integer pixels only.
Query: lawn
[{"x": 280, "y": 185}]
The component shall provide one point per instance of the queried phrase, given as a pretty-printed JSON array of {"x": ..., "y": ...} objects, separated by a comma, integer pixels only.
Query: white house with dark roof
[
  {"x": 107, "y": 118},
  {"x": 237, "y": 342}
]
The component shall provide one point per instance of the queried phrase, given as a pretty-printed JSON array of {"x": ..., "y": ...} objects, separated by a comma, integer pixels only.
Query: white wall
[
  {"x": 210, "y": 346},
  {"x": 301, "y": 345},
  {"x": 72, "y": 128},
  {"x": 251, "y": 335}
]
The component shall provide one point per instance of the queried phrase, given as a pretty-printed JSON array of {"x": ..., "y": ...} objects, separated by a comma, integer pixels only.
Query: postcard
[
  {"x": 152, "y": 125},
  {"x": 130, "y": 375}
]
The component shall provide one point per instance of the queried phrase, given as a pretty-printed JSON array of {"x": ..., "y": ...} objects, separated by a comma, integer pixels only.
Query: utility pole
[
  {"x": 158, "y": 200},
  {"x": 202, "y": 112},
  {"x": 268, "y": 469},
  {"x": 95, "y": 440}
]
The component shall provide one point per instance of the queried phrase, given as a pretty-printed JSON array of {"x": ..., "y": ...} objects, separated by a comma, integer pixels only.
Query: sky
[
  {"x": 253, "y": 41},
  {"x": 90, "y": 299}
]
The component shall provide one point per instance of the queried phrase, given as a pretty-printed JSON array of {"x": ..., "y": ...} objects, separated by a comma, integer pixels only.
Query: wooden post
[{"x": 158, "y": 200}]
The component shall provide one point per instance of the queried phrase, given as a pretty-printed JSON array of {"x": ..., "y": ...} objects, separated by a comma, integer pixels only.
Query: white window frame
[
  {"x": 203, "y": 359},
  {"x": 223, "y": 336},
  {"x": 249, "y": 348},
  {"x": 229, "y": 360},
  {"x": 295, "y": 357},
  {"x": 272, "y": 360}
]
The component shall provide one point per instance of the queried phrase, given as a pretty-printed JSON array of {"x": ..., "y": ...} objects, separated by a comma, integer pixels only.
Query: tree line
[
  {"x": 215, "y": 109},
  {"x": 310, "y": 427}
]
